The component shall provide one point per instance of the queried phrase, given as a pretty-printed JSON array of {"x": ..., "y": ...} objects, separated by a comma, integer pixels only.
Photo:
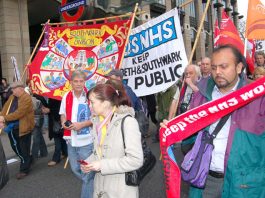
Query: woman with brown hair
[{"x": 110, "y": 160}]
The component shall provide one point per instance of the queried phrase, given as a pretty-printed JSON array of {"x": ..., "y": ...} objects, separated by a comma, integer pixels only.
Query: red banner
[
  {"x": 196, "y": 119},
  {"x": 95, "y": 49},
  {"x": 228, "y": 34}
]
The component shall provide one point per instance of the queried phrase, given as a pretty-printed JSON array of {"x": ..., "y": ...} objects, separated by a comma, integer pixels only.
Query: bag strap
[
  {"x": 122, "y": 129},
  {"x": 220, "y": 125}
]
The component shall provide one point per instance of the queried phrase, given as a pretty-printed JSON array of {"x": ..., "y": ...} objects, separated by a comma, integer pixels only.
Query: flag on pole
[
  {"x": 229, "y": 35},
  {"x": 255, "y": 28},
  {"x": 216, "y": 33}
]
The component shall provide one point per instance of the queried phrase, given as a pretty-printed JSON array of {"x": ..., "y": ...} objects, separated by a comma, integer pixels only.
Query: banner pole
[
  {"x": 33, "y": 52},
  {"x": 66, "y": 163},
  {"x": 26, "y": 66},
  {"x": 186, "y": 3},
  {"x": 199, "y": 31},
  {"x": 7, "y": 113},
  {"x": 99, "y": 19},
  {"x": 129, "y": 32}
]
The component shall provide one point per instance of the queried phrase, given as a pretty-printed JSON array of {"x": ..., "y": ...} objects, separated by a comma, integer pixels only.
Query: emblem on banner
[{"x": 65, "y": 7}]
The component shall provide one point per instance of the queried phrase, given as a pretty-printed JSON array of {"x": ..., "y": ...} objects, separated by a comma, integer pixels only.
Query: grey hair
[
  {"x": 78, "y": 73},
  {"x": 197, "y": 70},
  {"x": 206, "y": 57}
]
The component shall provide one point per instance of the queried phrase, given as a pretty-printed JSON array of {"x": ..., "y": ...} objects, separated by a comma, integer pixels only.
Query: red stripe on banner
[{"x": 196, "y": 119}]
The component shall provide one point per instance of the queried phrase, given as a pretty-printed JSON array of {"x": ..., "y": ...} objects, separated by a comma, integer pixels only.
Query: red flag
[
  {"x": 251, "y": 47},
  {"x": 229, "y": 35},
  {"x": 216, "y": 33}
]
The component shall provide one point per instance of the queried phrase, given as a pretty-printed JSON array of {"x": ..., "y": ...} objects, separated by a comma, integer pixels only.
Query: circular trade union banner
[{"x": 94, "y": 49}]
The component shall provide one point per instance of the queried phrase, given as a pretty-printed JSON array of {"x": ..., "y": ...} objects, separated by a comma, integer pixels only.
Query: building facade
[{"x": 20, "y": 23}]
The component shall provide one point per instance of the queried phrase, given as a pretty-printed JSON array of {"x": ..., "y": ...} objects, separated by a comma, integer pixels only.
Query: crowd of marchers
[{"x": 86, "y": 128}]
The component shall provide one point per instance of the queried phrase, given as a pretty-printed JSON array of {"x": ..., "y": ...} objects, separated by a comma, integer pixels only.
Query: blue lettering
[{"x": 152, "y": 37}]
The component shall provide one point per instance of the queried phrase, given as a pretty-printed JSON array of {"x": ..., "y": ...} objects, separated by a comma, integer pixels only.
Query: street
[{"x": 56, "y": 182}]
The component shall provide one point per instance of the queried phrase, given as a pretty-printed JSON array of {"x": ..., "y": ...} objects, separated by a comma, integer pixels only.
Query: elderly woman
[{"x": 110, "y": 160}]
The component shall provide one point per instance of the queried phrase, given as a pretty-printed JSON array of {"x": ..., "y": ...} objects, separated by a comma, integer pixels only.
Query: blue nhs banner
[
  {"x": 155, "y": 56},
  {"x": 149, "y": 38}
]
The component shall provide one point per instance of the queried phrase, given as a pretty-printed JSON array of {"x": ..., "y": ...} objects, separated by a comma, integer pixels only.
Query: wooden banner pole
[
  {"x": 129, "y": 32},
  {"x": 33, "y": 52},
  {"x": 199, "y": 31},
  {"x": 66, "y": 163},
  {"x": 26, "y": 66},
  {"x": 99, "y": 19},
  {"x": 186, "y": 3}
]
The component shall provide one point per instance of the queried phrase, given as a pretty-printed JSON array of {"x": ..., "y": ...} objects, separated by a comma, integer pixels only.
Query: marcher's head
[
  {"x": 193, "y": 72},
  {"x": 260, "y": 58},
  {"x": 17, "y": 88},
  {"x": 103, "y": 97},
  {"x": 259, "y": 72},
  {"x": 115, "y": 74},
  {"x": 117, "y": 84},
  {"x": 205, "y": 66},
  {"x": 4, "y": 81},
  {"x": 78, "y": 80},
  {"x": 227, "y": 64},
  {"x": 199, "y": 63}
]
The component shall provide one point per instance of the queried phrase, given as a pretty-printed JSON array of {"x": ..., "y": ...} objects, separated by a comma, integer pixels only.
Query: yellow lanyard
[{"x": 102, "y": 130}]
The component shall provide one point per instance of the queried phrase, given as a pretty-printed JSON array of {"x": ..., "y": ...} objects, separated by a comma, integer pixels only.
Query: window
[
  {"x": 203, "y": 9},
  {"x": 179, "y": 2},
  {"x": 192, "y": 10},
  {"x": 163, "y": 2}
]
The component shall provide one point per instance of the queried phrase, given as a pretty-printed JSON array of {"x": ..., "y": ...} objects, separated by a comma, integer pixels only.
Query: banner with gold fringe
[{"x": 94, "y": 48}]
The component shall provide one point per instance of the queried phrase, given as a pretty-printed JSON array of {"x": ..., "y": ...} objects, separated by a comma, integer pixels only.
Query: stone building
[{"x": 20, "y": 23}]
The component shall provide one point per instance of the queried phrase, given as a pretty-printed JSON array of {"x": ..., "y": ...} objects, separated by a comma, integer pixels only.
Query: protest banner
[
  {"x": 255, "y": 26},
  {"x": 196, "y": 119},
  {"x": 228, "y": 34},
  {"x": 95, "y": 48},
  {"x": 260, "y": 45},
  {"x": 155, "y": 56}
]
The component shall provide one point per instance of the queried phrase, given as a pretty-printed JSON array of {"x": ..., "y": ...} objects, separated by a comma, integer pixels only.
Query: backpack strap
[
  {"x": 220, "y": 125},
  {"x": 122, "y": 129}
]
